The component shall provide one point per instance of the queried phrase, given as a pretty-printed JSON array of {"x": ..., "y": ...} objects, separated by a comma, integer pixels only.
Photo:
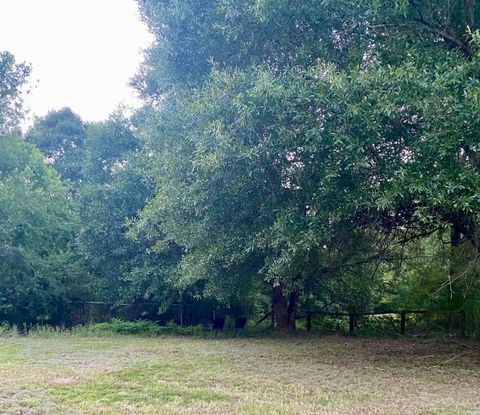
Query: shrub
[{"x": 139, "y": 327}]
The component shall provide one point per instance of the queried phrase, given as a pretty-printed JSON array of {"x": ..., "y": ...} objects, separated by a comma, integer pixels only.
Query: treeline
[{"x": 290, "y": 156}]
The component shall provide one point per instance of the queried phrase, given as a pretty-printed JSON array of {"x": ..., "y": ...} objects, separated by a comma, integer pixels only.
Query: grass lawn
[{"x": 67, "y": 374}]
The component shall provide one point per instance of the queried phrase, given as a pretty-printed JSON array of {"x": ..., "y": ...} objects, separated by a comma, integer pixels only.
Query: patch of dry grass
[{"x": 184, "y": 375}]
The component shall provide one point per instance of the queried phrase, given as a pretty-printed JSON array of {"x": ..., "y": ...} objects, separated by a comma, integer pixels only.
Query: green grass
[{"x": 114, "y": 374}]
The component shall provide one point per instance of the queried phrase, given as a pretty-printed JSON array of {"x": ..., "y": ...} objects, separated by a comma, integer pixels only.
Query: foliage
[
  {"x": 60, "y": 135},
  {"x": 36, "y": 227},
  {"x": 290, "y": 157},
  {"x": 13, "y": 76},
  {"x": 114, "y": 190},
  {"x": 140, "y": 327},
  {"x": 309, "y": 156}
]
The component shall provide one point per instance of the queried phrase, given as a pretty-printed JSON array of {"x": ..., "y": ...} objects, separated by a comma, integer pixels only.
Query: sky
[{"x": 82, "y": 52}]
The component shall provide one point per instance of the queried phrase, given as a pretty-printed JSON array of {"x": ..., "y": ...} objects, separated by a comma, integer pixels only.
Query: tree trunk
[
  {"x": 280, "y": 308},
  {"x": 284, "y": 312},
  {"x": 181, "y": 313},
  {"x": 455, "y": 239},
  {"x": 292, "y": 310}
]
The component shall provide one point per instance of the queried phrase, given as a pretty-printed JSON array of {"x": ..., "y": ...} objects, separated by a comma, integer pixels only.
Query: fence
[
  {"x": 353, "y": 317},
  {"x": 183, "y": 314},
  {"x": 81, "y": 312}
]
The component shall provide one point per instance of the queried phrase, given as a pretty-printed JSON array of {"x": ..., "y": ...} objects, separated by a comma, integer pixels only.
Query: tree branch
[
  {"x": 447, "y": 33},
  {"x": 420, "y": 235}
]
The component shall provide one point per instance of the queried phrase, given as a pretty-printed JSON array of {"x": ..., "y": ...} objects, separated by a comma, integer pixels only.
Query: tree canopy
[
  {"x": 36, "y": 228},
  {"x": 13, "y": 76},
  {"x": 275, "y": 149},
  {"x": 289, "y": 156}
]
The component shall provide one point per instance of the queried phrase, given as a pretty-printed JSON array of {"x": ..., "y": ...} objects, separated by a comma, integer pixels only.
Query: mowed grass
[{"x": 67, "y": 374}]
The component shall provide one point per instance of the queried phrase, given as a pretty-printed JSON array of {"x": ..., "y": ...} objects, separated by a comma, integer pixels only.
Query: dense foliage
[
  {"x": 13, "y": 76},
  {"x": 36, "y": 226},
  {"x": 310, "y": 156},
  {"x": 290, "y": 157}
]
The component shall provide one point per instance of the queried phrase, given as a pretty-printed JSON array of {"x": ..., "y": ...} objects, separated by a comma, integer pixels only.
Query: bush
[
  {"x": 139, "y": 327},
  {"x": 7, "y": 330},
  {"x": 326, "y": 324}
]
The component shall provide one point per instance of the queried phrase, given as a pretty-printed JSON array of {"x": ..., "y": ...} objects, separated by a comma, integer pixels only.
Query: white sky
[{"x": 83, "y": 52}]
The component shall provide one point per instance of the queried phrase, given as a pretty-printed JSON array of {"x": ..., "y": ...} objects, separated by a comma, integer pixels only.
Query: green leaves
[
  {"x": 36, "y": 226},
  {"x": 12, "y": 77},
  {"x": 60, "y": 135},
  {"x": 289, "y": 138}
]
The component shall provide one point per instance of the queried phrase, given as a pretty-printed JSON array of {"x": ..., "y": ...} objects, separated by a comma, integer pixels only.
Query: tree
[
  {"x": 271, "y": 148},
  {"x": 36, "y": 228},
  {"x": 60, "y": 135},
  {"x": 112, "y": 193},
  {"x": 107, "y": 145},
  {"x": 12, "y": 77}
]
